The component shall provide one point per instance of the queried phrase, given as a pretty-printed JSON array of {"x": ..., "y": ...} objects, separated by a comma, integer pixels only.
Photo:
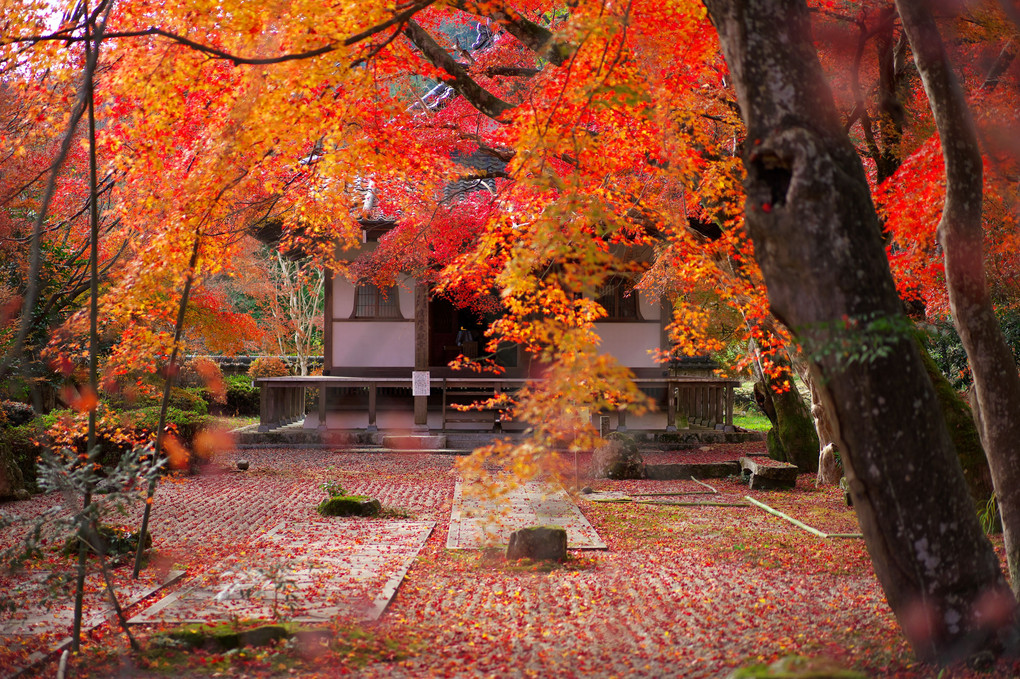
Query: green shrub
[
  {"x": 180, "y": 398},
  {"x": 186, "y": 423},
  {"x": 69, "y": 429},
  {"x": 115, "y": 541},
  {"x": 188, "y": 399},
  {"x": 20, "y": 445},
  {"x": 242, "y": 397},
  {"x": 268, "y": 366}
]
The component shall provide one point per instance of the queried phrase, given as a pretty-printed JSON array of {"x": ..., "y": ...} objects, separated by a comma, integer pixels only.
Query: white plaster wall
[
  {"x": 649, "y": 307},
  {"x": 343, "y": 298},
  {"x": 405, "y": 288},
  {"x": 630, "y": 342},
  {"x": 373, "y": 344}
]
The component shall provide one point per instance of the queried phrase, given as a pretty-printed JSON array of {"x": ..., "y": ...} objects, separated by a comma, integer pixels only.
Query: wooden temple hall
[{"x": 386, "y": 356}]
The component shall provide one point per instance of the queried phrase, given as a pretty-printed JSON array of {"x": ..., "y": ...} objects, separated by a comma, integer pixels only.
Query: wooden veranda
[{"x": 698, "y": 401}]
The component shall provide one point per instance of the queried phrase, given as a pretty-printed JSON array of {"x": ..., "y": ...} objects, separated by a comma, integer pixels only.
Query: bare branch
[
  {"x": 513, "y": 71},
  {"x": 460, "y": 80},
  {"x": 536, "y": 38}
]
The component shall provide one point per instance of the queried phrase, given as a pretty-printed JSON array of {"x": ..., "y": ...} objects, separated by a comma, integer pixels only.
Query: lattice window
[
  {"x": 371, "y": 301},
  {"x": 620, "y": 300}
]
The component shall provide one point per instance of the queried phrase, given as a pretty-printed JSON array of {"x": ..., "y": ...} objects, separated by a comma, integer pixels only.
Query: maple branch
[
  {"x": 400, "y": 18},
  {"x": 513, "y": 71},
  {"x": 1002, "y": 62},
  {"x": 483, "y": 100},
  {"x": 62, "y": 298},
  {"x": 860, "y": 111},
  {"x": 533, "y": 36},
  {"x": 488, "y": 174},
  {"x": 64, "y": 35}
]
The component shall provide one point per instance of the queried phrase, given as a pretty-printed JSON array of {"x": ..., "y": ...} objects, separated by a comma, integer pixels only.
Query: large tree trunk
[
  {"x": 996, "y": 383},
  {"x": 817, "y": 239}
]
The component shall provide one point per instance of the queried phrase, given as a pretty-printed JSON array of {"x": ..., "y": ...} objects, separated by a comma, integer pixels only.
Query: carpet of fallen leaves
[{"x": 687, "y": 591}]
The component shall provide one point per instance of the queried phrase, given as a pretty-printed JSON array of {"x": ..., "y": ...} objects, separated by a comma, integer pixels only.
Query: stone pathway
[
  {"x": 478, "y": 522},
  {"x": 306, "y": 571},
  {"x": 59, "y": 617},
  {"x": 55, "y": 620}
]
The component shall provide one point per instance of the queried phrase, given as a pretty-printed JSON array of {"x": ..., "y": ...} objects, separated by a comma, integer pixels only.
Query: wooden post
[
  {"x": 372, "y": 396},
  {"x": 672, "y": 396},
  {"x": 327, "y": 333},
  {"x": 729, "y": 405},
  {"x": 322, "y": 405},
  {"x": 421, "y": 351},
  {"x": 264, "y": 409}
]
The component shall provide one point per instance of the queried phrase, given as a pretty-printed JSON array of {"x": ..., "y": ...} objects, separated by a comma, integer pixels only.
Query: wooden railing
[{"x": 702, "y": 401}]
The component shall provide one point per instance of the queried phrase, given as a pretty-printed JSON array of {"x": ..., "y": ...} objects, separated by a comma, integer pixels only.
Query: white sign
[{"x": 420, "y": 381}]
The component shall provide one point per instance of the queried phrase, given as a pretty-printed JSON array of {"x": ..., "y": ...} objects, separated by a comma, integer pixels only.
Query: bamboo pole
[{"x": 800, "y": 524}]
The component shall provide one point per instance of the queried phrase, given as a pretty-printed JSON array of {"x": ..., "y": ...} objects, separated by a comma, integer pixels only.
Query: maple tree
[
  {"x": 287, "y": 294},
  {"x": 618, "y": 134}
]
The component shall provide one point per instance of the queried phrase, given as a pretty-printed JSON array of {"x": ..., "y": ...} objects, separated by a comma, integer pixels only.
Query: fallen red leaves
[{"x": 681, "y": 591}]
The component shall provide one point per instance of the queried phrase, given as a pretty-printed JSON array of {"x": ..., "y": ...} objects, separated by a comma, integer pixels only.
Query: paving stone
[
  {"x": 478, "y": 522},
  {"x": 306, "y": 571},
  {"x": 58, "y": 617}
]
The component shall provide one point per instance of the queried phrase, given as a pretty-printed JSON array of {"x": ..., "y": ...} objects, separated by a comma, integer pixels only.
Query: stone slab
[
  {"x": 697, "y": 470},
  {"x": 25, "y": 623},
  {"x": 305, "y": 571},
  {"x": 61, "y": 615},
  {"x": 767, "y": 474},
  {"x": 477, "y": 522}
]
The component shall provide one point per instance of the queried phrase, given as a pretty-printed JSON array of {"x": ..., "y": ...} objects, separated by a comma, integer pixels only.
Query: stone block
[
  {"x": 538, "y": 543},
  {"x": 618, "y": 459},
  {"x": 415, "y": 442},
  {"x": 768, "y": 474}
]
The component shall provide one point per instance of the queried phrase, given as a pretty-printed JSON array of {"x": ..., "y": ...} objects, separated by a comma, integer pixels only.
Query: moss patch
[
  {"x": 349, "y": 505},
  {"x": 797, "y": 668},
  {"x": 227, "y": 636}
]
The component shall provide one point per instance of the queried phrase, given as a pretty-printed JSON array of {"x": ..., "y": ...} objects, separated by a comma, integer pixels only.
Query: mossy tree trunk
[
  {"x": 964, "y": 433},
  {"x": 817, "y": 240},
  {"x": 792, "y": 437}
]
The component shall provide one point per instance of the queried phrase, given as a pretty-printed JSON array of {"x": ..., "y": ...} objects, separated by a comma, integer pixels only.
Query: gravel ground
[{"x": 684, "y": 591}]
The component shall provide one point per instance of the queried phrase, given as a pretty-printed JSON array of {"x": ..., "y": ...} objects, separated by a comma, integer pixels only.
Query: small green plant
[
  {"x": 333, "y": 488},
  {"x": 856, "y": 339},
  {"x": 285, "y": 599},
  {"x": 989, "y": 516}
]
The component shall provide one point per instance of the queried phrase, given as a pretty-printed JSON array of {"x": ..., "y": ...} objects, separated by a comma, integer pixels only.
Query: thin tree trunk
[
  {"x": 817, "y": 240},
  {"x": 165, "y": 402},
  {"x": 92, "y": 39},
  {"x": 996, "y": 382}
]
